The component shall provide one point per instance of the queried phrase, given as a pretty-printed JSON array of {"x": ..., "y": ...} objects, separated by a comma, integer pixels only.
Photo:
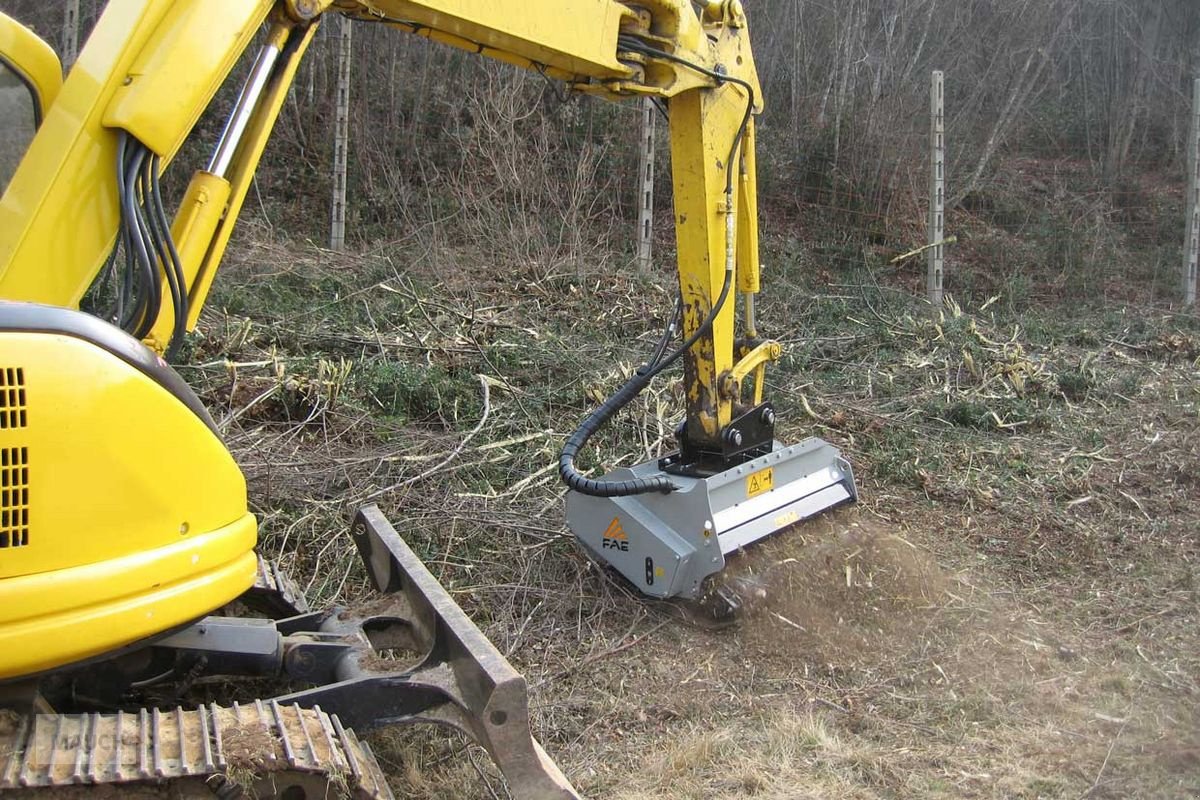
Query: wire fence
[{"x": 1037, "y": 227}]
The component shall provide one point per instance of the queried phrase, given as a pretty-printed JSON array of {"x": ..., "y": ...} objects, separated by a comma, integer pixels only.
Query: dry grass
[
  {"x": 780, "y": 755},
  {"x": 1010, "y": 612}
]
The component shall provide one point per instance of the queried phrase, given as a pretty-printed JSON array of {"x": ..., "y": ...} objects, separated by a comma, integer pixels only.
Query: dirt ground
[
  {"x": 873, "y": 670},
  {"x": 887, "y": 662},
  {"x": 1009, "y": 611}
]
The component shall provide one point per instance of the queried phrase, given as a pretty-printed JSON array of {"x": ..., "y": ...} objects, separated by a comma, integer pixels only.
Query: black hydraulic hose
[
  {"x": 149, "y": 295},
  {"x": 124, "y": 312},
  {"x": 668, "y": 333},
  {"x": 145, "y": 237},
  {"x": 631, "y": 389},
  {"x": 598, "y": 488},
  {"x": 144, "y": 241},
  {"x": 171, "y": 263},
  {"x": 156, "y": 232},
  {"x": 634, "y": 386}
]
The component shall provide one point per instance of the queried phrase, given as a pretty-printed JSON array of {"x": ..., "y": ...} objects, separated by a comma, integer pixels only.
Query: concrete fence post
[
  {"x": 70, "y": 43},
  {"x": 341, "y": 141},
  {"x": 937, "y": 189},
  {"x": 645, "y": 182},
  {"x": 1191, "y": 241}
]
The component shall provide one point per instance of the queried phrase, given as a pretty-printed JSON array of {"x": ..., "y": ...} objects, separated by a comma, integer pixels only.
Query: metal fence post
[
  {"x": 937, "y": 189},
  {"x": 1191, "y": 242},
  {"x": 70, "y": 44},
  {"x": 646, "y": 187},
  {"x": 341, "y": 141}
]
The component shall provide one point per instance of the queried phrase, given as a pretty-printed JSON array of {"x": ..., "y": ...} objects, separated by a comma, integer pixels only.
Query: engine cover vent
[
  {"x": 14, "y": 496},
  {"x": 12, "y": 397}
]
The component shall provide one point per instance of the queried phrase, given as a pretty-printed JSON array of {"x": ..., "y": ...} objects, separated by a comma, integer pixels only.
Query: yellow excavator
[{"x": 125, "y": 538}]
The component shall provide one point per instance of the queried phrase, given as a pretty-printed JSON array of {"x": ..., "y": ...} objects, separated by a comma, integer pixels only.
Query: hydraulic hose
[
  {"x": 634, "y": 386},
  {"x": 631, "y": 389},
  {"x": 594, "y": 421}
]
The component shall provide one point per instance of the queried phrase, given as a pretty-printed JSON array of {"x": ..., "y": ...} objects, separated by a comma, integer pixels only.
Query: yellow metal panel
[
  {"x": 54, "y": 593},
  {"x": 134, "y": 513},
  {"x": 703, "y": 126},
  {"x": 34, "y": 59},
  {"x": 115, "y": 617},
  {"x": 747, "y": 221},
  {"x": 578, "y": 36},
  {"x": 120, "y": 468},
  {"x": 165, "y": 89}
]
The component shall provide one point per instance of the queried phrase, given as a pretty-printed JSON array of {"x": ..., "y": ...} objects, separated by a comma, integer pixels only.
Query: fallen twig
[
  {"x": 487, "y": 408},
  {"x": 612, "y": 651}
]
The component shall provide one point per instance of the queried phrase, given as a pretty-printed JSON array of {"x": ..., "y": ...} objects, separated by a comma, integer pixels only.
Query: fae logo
[{"x": 614, "y": 537}]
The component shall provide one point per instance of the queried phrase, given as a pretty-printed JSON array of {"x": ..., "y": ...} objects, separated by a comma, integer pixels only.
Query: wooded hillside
[{"x": 1066, "y": 127}]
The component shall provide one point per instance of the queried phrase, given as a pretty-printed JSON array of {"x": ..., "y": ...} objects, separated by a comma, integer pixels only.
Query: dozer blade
[
  {"x": 668, "y": 544},
  {"x": 460, "y": 679}
]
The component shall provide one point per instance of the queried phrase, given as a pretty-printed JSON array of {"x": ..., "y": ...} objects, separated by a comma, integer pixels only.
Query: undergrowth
[{"x": 1049, "y": 453}]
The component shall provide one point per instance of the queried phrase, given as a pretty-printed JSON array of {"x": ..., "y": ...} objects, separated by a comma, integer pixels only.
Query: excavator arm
[{"x": 152, "y": 66}]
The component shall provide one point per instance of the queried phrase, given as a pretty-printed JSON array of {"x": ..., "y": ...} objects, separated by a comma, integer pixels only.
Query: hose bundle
[{"x": 145, "y": 240}]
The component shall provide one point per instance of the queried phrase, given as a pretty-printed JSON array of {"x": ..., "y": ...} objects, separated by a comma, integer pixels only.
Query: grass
[{"x": 1009, "y": 612}]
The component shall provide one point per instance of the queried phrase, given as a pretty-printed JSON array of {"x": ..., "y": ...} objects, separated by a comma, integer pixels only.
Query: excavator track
[
  {"x": 260, "y": 749},
  {"x": 287, "y": 746}
]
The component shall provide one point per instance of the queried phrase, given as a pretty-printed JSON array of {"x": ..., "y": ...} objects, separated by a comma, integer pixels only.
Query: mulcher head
[{"x": 668, "y": 544}]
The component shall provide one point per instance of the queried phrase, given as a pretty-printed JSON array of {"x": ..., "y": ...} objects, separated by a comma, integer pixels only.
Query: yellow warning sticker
[
  {"x": 786, "y": 518},
  {"x": 759, "y": 482}
]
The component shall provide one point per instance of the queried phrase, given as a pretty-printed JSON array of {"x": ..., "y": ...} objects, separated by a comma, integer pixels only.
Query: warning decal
[{"x": 759, "y": 482}]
